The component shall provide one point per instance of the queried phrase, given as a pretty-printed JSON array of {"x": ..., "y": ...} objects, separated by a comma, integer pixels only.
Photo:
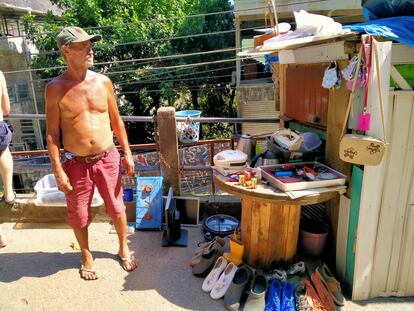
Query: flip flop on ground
[
  {"x": 88, "y": 274},
  {"x": 9, "y": 203},
  {"x": 2, "y": 242},
  {"x": 128, "y": 265}
]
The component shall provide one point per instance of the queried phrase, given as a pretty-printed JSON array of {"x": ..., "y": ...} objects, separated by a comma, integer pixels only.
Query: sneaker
[
  {"x": 333, "y": 286},
  {"x": 323, "y": 293},
  {"x": 288, "y": 298},
  {"x": 314, "y": 301},
  {"x": 301, "y": 298},
  {"x": 223, "y": 283},
  {"x": 214, "y": 274},
  {"x": 297, "y": 268},
  {"x": 277, "y": 274},
  {"x": 273, "y": 296}
]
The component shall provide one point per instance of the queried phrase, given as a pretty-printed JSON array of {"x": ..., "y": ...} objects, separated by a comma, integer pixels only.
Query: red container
[{"x": 313, "y": 236}]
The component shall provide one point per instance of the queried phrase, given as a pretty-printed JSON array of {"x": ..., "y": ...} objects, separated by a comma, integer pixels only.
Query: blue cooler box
[{"x": 149, "y": 203}]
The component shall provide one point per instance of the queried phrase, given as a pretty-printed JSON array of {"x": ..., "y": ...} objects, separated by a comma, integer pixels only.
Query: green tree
[{"x": 134, "y": 29}]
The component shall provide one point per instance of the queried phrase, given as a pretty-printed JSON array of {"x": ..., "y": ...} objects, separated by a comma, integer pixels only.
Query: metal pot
[
  {"x": 265, "y": 158},
  {"x": 247, "y": 144}
]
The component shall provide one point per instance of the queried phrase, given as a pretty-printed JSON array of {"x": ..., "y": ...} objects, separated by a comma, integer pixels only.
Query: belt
[{"x": 94, "y": 157}]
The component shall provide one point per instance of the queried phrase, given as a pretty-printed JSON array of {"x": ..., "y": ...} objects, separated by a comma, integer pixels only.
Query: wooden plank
[
  {"x": 406, "y": 282},
  {"x": 314, "y": 54},
  {"x": 168, "y": 148},
  {"x": 245, "y": 226},
  {"x": 264, "y": 252},
  {"x": 373, "y": 182},
  {"x": 293, "y": 222},
  {"x": 389, "y": 227},
  {"x": 357, "y": 179},
  {"x": 338, "y": 102},
  {"x": 275, "y": 46},
  {"x": 402, "y": 54},
  {"x": 342, "y": 236},
  {"x": 403, "y": 235},
  {"x": 399, "y": 79}
]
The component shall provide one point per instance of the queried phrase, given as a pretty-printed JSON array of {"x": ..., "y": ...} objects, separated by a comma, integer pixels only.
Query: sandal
[
  {"x": 11, "y": 202},
  {"x": 125, "y": 263},
  {"x": 84, "y": 272}
]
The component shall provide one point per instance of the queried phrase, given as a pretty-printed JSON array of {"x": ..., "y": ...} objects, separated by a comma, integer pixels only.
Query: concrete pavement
[{"x": 39, "y": 271}]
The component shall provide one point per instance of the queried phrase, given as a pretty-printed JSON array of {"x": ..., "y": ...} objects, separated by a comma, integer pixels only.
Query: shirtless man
[{"x": 81, "y": 103}]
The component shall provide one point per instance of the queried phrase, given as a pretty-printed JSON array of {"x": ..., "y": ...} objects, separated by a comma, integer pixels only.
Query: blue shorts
[{"x": 6, "y": 134}]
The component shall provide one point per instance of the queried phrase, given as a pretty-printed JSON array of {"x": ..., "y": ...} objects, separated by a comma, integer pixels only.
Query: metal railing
[{"x": 195, "y": 173}]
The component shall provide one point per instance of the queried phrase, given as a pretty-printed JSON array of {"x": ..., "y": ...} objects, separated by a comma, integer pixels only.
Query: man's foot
[
  {"x": 3, "y": 242},
  {"x": 88, "y": 274},
  {"x": 127, "y": 262},
  {"x": 11, "y": 201},
  {"x": 87, "y": 270}
]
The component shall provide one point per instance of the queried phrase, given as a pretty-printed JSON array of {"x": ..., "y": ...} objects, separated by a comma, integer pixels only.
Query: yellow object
[{"x": 236, "y": 253}]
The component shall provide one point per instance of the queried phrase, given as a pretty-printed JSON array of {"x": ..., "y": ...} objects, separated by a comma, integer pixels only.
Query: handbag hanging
[
  {"x": 364, "y": 118},
  {"x": 362, "y": 149}
]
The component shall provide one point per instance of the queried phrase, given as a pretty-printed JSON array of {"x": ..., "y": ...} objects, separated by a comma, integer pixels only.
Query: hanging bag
[{"x": 362, "y": 149}]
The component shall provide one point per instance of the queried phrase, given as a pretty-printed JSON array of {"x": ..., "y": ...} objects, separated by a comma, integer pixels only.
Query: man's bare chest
[{"x": 84, "y": 98}]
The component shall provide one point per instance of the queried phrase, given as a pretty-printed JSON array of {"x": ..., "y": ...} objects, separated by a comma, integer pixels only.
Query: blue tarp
[{"x": 399, "y": 28}]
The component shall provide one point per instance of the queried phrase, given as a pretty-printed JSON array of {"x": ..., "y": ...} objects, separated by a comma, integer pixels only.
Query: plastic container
[
  {"x": 284, "y": 154},
  {"x": 128, "y": 194},
  {"x": 48, "y": 194},
  {"x": 311, "y": 141},
  {"x": 313, "y": 236},
  {"x": 188, "y": 131}
]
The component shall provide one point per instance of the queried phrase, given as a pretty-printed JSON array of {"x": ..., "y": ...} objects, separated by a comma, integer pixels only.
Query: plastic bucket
[
  {"x": 188, "y": 131},
  {"x": 313, "y": 235},
  {"x": 128, "y": 194}
]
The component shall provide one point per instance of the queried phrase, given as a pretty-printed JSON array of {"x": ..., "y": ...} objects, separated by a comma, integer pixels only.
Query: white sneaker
[
  {"x": 223, "y": 283},
  {"x": 297, "y": 268},
  {"x": 214, "y": 274}
]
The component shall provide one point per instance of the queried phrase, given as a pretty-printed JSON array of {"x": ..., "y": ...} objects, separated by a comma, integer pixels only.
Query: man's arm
[
  {"x": 119, "y": 128},
  {"x": 52, "y": 137},
  {"x": 5, "y": 103}
]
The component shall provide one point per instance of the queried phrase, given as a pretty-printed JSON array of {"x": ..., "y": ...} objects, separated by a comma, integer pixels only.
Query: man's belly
[{"x": 82, "y": 145}]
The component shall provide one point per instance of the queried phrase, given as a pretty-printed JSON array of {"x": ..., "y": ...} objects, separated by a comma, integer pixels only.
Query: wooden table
[{"x": 270, "y": 220}]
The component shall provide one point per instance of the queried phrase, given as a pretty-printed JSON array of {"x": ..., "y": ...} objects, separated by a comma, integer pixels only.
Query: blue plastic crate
[{"x": 149, "y": 203}]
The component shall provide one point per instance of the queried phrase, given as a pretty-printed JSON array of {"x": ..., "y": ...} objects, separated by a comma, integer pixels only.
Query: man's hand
[
  {"x": 129, "y": 164},
  {"x": 63, "y": 182}
]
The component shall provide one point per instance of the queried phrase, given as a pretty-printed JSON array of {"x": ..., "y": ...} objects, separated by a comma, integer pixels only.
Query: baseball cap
[{"x": 75, "y": 34}]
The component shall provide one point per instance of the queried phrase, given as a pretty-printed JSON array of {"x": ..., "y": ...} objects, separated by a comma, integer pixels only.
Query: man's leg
[
  {"x": 6, "y": 171},
  {"x": 87, "y": 258},
  {"x": 120, "y": 224}
]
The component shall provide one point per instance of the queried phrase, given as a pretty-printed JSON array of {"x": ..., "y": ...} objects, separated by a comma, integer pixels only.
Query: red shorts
[{"x": 105, "y": 174}]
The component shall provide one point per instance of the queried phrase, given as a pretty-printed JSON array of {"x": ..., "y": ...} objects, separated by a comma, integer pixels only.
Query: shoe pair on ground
[
  {"x": 331, "y": 284},
  {"x": 220, "y": 278},
  {"x": 206, "y": 256},
  {"x": 282, "y": 275},
  {"x": 325, "y": 292},
  {"x": 280, "y": 297}
]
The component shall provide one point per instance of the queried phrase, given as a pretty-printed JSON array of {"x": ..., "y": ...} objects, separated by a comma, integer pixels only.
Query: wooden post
[{"x": 168, "y": 148}]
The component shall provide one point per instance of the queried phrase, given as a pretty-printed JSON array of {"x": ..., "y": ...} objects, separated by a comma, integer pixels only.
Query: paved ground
[{"x": 39, "y": 271}]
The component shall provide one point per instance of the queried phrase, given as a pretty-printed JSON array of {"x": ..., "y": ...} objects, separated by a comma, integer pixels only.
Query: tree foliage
[{"x": 136, "y": 29}]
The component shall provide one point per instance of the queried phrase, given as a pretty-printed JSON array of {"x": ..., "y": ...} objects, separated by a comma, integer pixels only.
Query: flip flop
[
  {"x": 9, "y": 203},
  {"x": 123, "y": 261},
  {"x": 83, "y": 270},
  {"x": 2, "y": 242}
]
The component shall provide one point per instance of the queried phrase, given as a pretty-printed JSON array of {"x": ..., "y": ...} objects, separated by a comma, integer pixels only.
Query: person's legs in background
[{"x": 6, "y": 172}]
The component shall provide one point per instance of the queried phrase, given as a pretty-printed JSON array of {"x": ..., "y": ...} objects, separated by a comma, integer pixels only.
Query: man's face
[{"x": 80, "y": 53}]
